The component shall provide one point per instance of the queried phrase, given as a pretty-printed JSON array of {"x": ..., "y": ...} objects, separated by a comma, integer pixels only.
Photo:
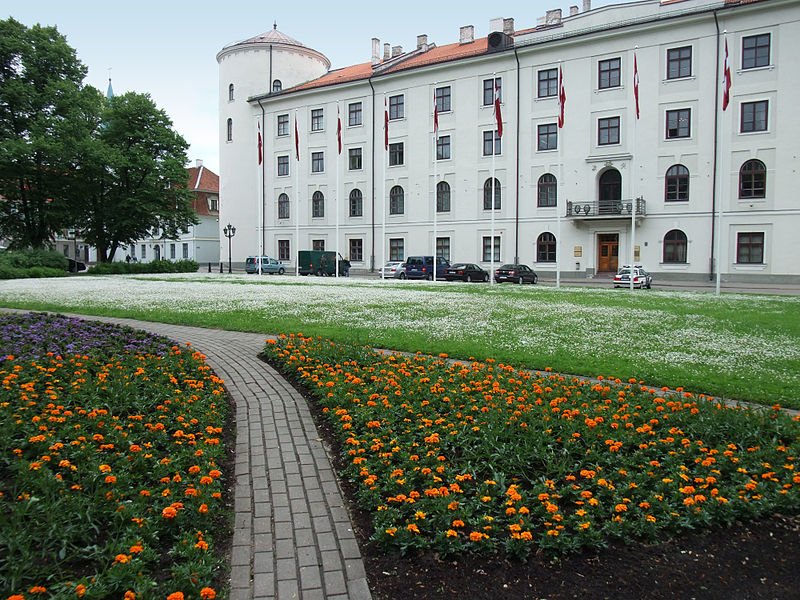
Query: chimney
[
  {"x": 386, "y": 51},
  {"x": 397, "y": 51},
  {"x": 495, "y": 24},
  {"x": 508, "y": 26},
  {"x": 376, "y": 51},
  {"x": 553, "y": 17},
  {"x": 198, "y": 162},
  {"x": 573, "y": 10},
  {"x": 422, "y": 42},
  {"x": 466, "y": 34},
  {"x": 587, "y": 5}
]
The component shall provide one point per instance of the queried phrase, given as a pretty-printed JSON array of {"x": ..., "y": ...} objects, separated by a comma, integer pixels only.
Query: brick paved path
[{"x": 292, "y": 536}]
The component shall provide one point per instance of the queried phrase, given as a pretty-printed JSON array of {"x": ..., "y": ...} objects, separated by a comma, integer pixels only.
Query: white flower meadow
[{"x": 533, "y": 321}]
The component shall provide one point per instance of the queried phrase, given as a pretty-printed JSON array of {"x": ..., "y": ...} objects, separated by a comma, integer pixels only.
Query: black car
[
  {"x": 465, "y": 272},
  {"x": 515, "y": 274}
]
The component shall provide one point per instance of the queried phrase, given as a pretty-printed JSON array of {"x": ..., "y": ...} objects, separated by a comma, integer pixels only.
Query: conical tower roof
[{"x": 273, "y": 36}]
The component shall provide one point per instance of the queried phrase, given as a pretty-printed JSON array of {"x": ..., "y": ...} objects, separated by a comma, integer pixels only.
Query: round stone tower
[{"x": 267, "y": 63}]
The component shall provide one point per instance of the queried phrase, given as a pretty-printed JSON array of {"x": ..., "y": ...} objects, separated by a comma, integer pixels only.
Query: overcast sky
[{"x": 168, "y": 48}]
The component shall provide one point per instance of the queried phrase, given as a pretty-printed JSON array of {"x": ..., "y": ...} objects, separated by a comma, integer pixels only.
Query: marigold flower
[
  {"x": 38, "y": 589},
  {"x": 110, "y": 479},
  {"x": 169, "y": 513},
  {"x": 122, "y": 558},
  {"x": 175, "y": 596},
  {"x": 105, "y": 468},
  {"x": 208, "y": 593},
  {"x": 80, "y": 590},
  {"x": 16, "y": 597},
  {"x": 201, "y": 545}
]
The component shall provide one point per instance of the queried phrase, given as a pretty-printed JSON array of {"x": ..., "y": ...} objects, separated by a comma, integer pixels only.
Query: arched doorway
[{"x": 609, "y": 192}]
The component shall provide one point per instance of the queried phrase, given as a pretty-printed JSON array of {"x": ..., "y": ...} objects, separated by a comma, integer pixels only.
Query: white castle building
[{"x": 691, "y": 176}]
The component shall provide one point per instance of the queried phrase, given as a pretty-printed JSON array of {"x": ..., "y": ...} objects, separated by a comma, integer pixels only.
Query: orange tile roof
[
  {"x": 344, "y": 75},
  {"x": 209, "y": 181},
  {"x": 440, "y": 54}
]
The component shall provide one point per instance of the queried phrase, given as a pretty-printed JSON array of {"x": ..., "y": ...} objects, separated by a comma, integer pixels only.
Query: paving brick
[
  {"x": 310, "y": 578},
  {"x": 285, "y": 569},
  {"x": 334, "y": 583},
  {"x": 288, "y": 590},
  {"x": 331, "y": 560}
]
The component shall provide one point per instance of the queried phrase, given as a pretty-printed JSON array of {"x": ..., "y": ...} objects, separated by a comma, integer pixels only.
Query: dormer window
[
  {"x": 213, "y": 203},
  {"x": 277, "y": 86}
]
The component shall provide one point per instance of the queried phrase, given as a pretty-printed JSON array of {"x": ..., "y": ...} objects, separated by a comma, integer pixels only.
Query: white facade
[{"x": 604, "y": 158}]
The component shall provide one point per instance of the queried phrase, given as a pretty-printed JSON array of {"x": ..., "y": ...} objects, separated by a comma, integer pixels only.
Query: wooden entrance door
[{"x": 607, "y": 252}]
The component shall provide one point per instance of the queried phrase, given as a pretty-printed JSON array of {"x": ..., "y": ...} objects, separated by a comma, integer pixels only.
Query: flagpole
[
  {"x": 726, "y": 78},
  {"x": 338, "y": 168},
  {"x": 297, "y": 199},
  {"x": 385, "y": 158},
  {"x": 493, "y": 204},
  {"x": 560, "y": 173},
  {"x": 633, "y": 161},
  {"x": 260, "y": 183},
  {"x": 435, "y": 175}
]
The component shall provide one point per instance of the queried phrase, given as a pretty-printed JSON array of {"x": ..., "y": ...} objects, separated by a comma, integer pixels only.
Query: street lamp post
[{"x": 229, "y": 231}]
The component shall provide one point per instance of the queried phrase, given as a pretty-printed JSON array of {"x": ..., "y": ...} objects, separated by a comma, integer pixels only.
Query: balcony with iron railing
[{"x": 607, "y": 209}]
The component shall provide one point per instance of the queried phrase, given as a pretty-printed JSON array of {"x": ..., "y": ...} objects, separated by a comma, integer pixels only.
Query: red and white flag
[
  {"x": 385, "y": 124},
  {"x": 497, "y": 114},
  {"x": 636, "y": 84},
  {"x": 338, "y": 129},
  {"x": 296, "y": 139},
  {"x": 562, "y": 98},
  {"x": 260, "y": 151},
  {"x": 726, "y": 80},
  {"x": 435, "y": 116}
]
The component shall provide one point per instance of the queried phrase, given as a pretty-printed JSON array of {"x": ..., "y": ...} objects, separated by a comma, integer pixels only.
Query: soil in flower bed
[{"x": 747, "y": 561}]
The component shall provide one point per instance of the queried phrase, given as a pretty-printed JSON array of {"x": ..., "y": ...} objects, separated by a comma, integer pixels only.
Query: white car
[
  {"x": 391, "y": 269},
  {"x": 641, "y": 278}
]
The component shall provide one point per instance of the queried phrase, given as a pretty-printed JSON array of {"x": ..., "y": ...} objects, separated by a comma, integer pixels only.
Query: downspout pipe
[
  {"x": 372, "y": 219},
  {"x": 714, "y": 232},
  {"x": 516, "y": 178}
]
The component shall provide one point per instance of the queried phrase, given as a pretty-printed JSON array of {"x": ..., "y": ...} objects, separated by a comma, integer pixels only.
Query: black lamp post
[{"x": 229, "y": 231}]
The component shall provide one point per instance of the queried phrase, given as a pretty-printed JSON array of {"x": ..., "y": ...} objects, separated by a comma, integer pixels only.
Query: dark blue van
[{"x": 421, "y": 267}]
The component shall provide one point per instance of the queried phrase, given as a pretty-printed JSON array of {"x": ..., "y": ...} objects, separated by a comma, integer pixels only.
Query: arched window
[
  {"x": 675, "y": 246},
  {"x": 676, "y": 184},
  {"x": 442, "y": 197},
  {"x": 277, "y": 86},
  {"x": 317, "y": 205},
  {"x": 356, "y": 203},
  {"x": 487, "y": 194},
  {"x": 283, "y": 206},
  {"x": 547, "y": 190},
  {"x": 753, "y": 180},
  {"x": 230, "y": 93},
  {"x": 610, "y": 192},
  {"x": 546, "y": 248},
  {"x": 230, "y": 130},
  {"x": 396, "y": 201}
]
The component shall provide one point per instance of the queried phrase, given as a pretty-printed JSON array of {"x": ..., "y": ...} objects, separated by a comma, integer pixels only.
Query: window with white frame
[
  {"x": 317, "y": 162},
  {"x": 354, "y": 159},
  {"x": 491, "y": 142},
  {"x": 608, "y": 73},
  {"x": 547, "y": 137},
  {"x": 443, "y": 99},
  {"x": 756, "y": 51},
  {"x": 354, "y": 114},
  {"x": 396, "y": 200},
  {"x": 608, "y": 131},
  {"x": 356, "y": 250},
  {"x": 317, "y": 205},
  {"x": 679, "y": 123},
  {"x": 396, "y": 107},
  {"x": 487, "y": 248},
  {"x": 443, "y": 247},
  {"x": 488, "y": 90},
  {"x": 283, "y": 206},
  {"x": 443, "y": 147},
  {"x": 442, "y": 197},
  {"x": 754, "y": 116},
  {"x": 283, "y": 166},
  {"x": 396, "y": 154},
  {"x": 750, "y": 248},
  {"x": 317, "y": 119},
  {"x": 679, "y": 62},
  {"x": 548, "y": 83},
  {"x": 284, "y": 252},
  {"x": 397, "y": 249},
  {"x": 283, "y": 125}
]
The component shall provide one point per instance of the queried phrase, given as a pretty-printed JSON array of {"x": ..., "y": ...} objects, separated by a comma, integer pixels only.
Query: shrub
[
  {"x": 156, "y": 266},
  {"x": 17, "y": 264}
]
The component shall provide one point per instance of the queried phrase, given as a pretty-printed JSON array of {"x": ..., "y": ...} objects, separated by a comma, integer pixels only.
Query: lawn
[{"x": 735, "y": 346}]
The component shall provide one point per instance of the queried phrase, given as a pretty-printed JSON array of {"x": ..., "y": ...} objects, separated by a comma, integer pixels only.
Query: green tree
[
  {"x": 132, "y": 177},
  {"x": 40, "y": 123}
]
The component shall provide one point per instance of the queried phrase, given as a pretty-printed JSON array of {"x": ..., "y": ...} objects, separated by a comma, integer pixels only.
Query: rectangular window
[
  {"x": 608, "y": 131},
  {"x": 487, "y": 248},
  {"x": 283, "y": 125},
  {"x": 172, "y": 251},
  {"x": 442, "y": 95},
  {"x": 354, "y": 114},
  {"x": 443, "y": 147},
  {"x": 144, "y": 251},
  {"x": 185, "y": 250},
  {"x": 488, "y": 90},
  {"x": 548, "y": 137},
  {"x": 750, "y": 248},
  {"x": 283, "y": 250},
  {"x": 133, "y": 250},
  {"x": 679, "y": 62},
  {"x": 443, "y": 247},
  {"x": 396, "y": 107},
  {"x": 356, "y": 250},
  {"x": 317, "y": 119},
  {"x": 213, "y": 203},
  {"x": 283, "y": 166},
  {"x": 679, "y": 123},
  {"x": 397, "y": 250},
  {"x": 755, "y": 51},
  {"x": 488, "y": 136},
  {"x": 354, "y": 159},
  {"x": 396, "y": 154},
  {"x": 754, "y": 116},
  {"x": 548, "y": 83},
  {"x": 318, "y": 245},
  {"x": 317, "y": 162},
  {"x": 317, "y": 205},
  {"x": 608, "y": 73}
]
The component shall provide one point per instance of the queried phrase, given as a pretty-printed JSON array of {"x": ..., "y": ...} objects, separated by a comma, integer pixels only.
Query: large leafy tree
[
  {"x": 40, "y": 122},
  {"x": 132, "y": 177}
]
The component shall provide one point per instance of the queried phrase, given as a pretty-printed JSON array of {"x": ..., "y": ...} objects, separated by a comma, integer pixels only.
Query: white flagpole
[
  {"x": 560, "y": 142},
  {"x": 338, "y": 160},
  {"x": 722, "y": 187},
  {"x": 633, "y": 183},
  {"x": 260, "y": 183},
  {"x": 494, "y": 192},
  {"x": 297, "y": 199},
  {"x": 385, "y": 156},
  {"x": 435, "y": 176}
]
